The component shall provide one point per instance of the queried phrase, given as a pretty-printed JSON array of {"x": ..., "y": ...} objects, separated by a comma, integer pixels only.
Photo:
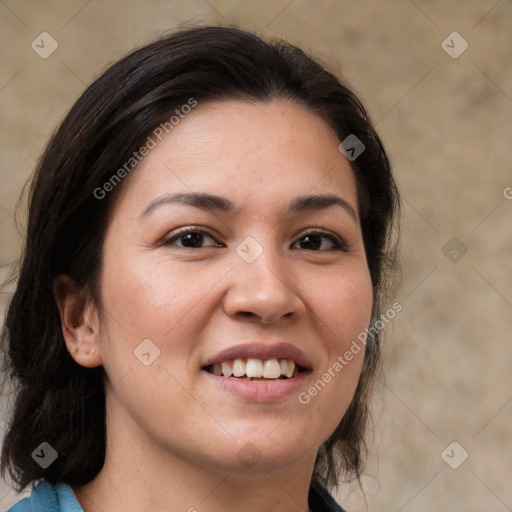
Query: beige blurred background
[{"x": 445, "y": 115}]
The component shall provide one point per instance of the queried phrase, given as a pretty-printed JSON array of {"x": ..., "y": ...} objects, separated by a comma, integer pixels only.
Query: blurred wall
[{"x": 436, "y": 77}]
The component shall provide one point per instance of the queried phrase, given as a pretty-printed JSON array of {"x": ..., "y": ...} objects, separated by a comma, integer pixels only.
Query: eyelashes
[
  {"x": 337, "y": 242},
  {"x": 192, "y": 236}
]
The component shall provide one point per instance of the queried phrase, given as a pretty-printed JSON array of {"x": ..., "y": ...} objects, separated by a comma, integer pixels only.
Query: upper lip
[{"x": 263, "y": 352}]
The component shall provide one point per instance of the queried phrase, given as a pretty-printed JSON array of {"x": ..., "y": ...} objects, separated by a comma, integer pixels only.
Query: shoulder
[
  {"x": 47, "y": 497},
  {"x": 320, "y": 500}
]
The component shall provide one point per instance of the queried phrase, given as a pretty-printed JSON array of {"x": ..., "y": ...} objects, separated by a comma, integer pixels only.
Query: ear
[{"x": 80, "y": 322}]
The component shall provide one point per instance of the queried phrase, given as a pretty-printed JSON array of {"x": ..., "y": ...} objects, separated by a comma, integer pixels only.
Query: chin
[{"x": 261, "y": 451}]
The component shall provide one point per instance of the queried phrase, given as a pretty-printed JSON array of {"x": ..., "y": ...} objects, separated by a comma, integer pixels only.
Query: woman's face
[{"x": 263, "y": 274}]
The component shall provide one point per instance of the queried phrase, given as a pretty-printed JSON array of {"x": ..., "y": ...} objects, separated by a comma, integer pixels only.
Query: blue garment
[{"x": 46, "y": 497}]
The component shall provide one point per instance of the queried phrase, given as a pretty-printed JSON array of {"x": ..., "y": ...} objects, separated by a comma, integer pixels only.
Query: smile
[{"x": 259, "y": 372}]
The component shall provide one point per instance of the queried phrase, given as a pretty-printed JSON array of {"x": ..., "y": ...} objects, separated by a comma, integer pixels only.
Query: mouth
[
  {"x": 269, "y": 372},
  {"x": 253, "y": 369}
]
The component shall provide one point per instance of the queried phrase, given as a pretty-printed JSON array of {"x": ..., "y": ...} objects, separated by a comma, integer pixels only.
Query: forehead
[{"x": 261, "y": 152}]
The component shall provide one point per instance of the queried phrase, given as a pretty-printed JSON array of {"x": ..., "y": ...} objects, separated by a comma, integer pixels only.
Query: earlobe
[{"x": 79, "y": 320}]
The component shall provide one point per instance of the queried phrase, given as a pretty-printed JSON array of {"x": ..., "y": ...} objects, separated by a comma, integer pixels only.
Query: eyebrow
[{"x": 211, "y": 202}]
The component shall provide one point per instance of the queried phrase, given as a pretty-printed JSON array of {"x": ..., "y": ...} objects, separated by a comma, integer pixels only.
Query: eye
[
  {"x": 193, "y": 238},
  {"x": 312, "y": 240},
  {"x": 190, "y": 237}
]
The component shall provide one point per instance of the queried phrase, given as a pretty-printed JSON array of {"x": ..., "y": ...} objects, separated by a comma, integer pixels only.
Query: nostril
[{"x": 247, "y": 314}]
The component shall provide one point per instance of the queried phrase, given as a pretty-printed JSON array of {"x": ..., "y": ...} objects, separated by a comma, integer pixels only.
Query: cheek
[
  {"x": 159, "y": 302},
  {"x": 351, "y": 317},
  {"x": 344, "y": 309},
  {"x": 153, "y": 298},
  {"x": 344, "y": 303}
]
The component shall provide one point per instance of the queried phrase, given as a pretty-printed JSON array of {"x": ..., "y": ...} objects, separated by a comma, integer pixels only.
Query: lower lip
[{"x": 259, "y": 391}]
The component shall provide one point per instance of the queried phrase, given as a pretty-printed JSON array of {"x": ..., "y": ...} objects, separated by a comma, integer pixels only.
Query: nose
[{"x": 265, "y": 290}]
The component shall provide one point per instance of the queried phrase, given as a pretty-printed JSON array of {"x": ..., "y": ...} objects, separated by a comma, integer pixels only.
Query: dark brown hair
[{"x": 62, "y": 403}]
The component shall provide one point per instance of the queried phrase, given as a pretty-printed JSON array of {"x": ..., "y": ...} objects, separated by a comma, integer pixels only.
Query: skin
[{"x": 172, "y": 436}]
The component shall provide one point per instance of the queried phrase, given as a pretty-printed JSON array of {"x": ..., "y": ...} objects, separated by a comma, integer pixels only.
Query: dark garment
[{"x": 321, "y": 501}]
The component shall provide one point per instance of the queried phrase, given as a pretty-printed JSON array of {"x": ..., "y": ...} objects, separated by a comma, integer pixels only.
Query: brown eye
[
  {"x": 313, "y": 241},
  {"x": 191, "y": 238}
]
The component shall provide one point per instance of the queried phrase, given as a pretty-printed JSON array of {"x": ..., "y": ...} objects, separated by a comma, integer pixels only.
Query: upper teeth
[{"x": 268, "y": 369}]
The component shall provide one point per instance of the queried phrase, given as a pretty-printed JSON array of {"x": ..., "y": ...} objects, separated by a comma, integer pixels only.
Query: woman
[{"x": 207, "y": 243}]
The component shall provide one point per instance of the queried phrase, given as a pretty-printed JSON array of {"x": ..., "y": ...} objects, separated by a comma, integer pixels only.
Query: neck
[
  {"x": 131, "y": 485},
  {"x": 143, "y": 476}
]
